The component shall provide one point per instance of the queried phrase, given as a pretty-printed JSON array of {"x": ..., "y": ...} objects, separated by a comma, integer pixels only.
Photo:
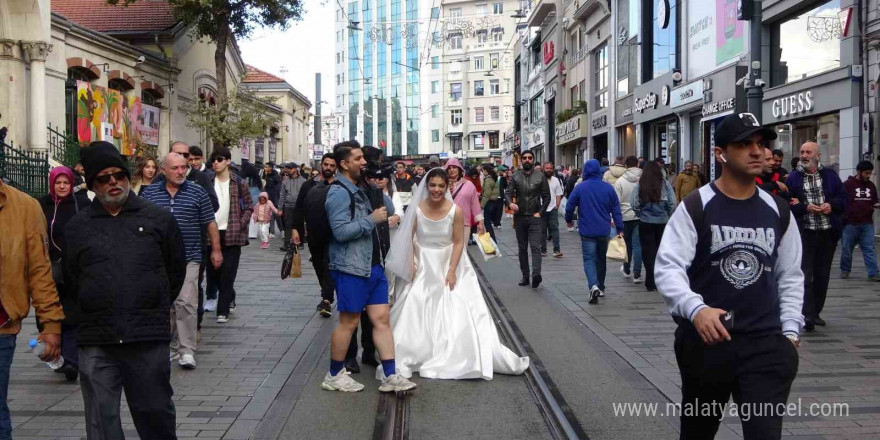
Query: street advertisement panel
[
  {"x": 149, "y": 127},
  {"x": 715, "y": 36},
  {"x": 105, "y": 114}
]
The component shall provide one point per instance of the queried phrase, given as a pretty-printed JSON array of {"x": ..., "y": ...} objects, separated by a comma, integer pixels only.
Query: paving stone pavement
[
  {"x": 839, "y": 363},
  {"x": 242, "y": 365}
]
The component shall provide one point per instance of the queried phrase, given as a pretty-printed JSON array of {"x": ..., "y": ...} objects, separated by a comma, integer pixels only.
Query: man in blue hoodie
[{"x": 597, "y": 205}]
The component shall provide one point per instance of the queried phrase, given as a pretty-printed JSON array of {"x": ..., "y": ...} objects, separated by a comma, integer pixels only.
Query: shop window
[
  {"x": 479, "y": 116},
  {"x": 824, "y": 130},
  {"x": 806, "y": 44},
  {"x": 600, "y": 76},
  {"x": 478, "y": 142}
]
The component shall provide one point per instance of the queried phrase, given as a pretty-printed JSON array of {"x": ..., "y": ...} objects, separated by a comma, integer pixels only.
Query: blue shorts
[{"x": 356, "y": 293}]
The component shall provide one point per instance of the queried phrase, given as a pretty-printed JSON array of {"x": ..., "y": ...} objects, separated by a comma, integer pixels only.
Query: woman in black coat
[{"x": 59, "y": 206}]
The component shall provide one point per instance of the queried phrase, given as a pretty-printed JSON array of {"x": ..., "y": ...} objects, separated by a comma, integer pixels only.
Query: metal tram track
[{"x": 394, "y": 408}]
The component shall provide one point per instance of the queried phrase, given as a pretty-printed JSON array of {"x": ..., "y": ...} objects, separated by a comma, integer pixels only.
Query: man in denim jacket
[{"x": 356, "y": 269}]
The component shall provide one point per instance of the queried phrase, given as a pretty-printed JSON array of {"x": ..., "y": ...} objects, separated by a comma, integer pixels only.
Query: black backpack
[
  {"x": 317, "y": 223},
  {"x": 693, "y": 203}
]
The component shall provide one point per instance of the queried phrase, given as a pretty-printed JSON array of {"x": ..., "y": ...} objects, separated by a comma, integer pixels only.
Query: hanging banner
[
  {"x": 149, "y": 125},
  {"x": 715, "y": 36}
]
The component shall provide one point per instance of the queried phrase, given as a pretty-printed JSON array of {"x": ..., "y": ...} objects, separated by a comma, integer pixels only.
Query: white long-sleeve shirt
[{"x": 735, "y": 261}]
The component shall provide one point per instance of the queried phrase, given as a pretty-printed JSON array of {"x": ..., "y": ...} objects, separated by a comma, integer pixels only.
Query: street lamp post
[{"x": 752, "y": 10}]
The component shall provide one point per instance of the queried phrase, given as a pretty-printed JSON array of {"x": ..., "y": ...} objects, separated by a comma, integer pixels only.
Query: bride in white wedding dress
[{"x": 442, "y": 326}]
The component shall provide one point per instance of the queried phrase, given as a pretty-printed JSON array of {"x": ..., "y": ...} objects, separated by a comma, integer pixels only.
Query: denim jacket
[
  {"x": 351, "y": 247},
  {"x": 654, "y": 212}
]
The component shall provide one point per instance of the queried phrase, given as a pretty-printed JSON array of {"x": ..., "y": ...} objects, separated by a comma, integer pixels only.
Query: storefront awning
[
  {"x": 457, "y": 134},
  {"x": 476, "y": 132},
  {"x": 492, "y": 131}
]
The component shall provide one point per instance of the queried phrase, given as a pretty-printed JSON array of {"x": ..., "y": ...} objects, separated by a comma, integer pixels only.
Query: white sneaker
[
  {"x": 637, "y": 279},
  {"x": 396, "y": 382},
  {"x": 623, "y": 272},
  {"x": 174, "y": 356},
  {"x": 341, "y": 382},
  {"x": 594, "y": 295},
  {"x": 211, "y": 305},
  {"x": 222, "y": 319},
  {"x": 571, "y": 229},
  {"x": 187, "y": 362},
  {"x": 231, "y": 307}
]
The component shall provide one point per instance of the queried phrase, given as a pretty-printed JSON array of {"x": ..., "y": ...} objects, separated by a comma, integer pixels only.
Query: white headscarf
[{"x": 399, "y": 261}]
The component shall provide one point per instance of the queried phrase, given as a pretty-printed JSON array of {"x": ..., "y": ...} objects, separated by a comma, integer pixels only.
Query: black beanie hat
[{"x": 99, "y": 156}]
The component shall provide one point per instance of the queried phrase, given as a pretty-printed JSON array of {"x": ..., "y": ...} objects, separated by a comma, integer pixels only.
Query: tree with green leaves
[
  {"x": 246, "y": 117},
  {"x": 222, "y": 21}
]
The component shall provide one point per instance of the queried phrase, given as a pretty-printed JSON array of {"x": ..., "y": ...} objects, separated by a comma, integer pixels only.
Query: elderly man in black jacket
[{"x": 124, "y": 265}]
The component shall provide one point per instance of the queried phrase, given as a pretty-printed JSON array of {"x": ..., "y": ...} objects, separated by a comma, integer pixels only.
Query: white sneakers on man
[
  {"x": 341, "y": 382},
  {"x": 187, "y": 362},
  {"x": 396, "y": 382},
  {"x": 211, "y": 305}
]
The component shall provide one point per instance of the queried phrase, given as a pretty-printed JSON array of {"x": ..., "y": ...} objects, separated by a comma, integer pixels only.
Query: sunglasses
[
  {"x": 117, "y": 176},
  {"x": 220, "y": 159}
]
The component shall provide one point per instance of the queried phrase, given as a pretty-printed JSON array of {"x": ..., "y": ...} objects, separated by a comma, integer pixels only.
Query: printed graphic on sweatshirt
[
  {"x": 741, "y": 266},
  {"x": 863, "y": 194}
]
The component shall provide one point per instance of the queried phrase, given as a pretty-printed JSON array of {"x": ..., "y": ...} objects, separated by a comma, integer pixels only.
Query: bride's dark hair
[{"x": 438, "y": 172}]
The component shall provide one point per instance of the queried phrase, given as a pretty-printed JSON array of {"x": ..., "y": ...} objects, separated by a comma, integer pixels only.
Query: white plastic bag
[
  {"x": 487, "y": 257},
  {"x": 253, "y": 229}
]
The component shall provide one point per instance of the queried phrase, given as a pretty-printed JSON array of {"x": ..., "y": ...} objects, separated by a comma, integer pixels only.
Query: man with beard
[
  {"x": 273, "y": 188},
  {"x": 818, "y": 201},
  {"x": 290, "y": 189},
  {"x": 124, "y": 265},
  {"x": 310, "y": 196},
  {"x": 777, "y": 163},
  {"x": 551, "y": 216},
  {"x": 687, "y": 181},
  {"x": 528, "y": 196},
  {"x": 420, "y": 174}
]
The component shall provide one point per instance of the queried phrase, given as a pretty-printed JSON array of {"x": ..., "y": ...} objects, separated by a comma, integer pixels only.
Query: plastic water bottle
[{"x": 37, "y": 347}]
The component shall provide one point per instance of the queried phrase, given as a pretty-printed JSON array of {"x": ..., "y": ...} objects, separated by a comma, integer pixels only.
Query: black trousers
[
  {"x": 650, "y": 235},
  {"x": 321, "y": 263},
  {"x": 201, "y": 310},
  {"x": 529, "y": 235},
  {"x": 756, "y": 370},
  {"x": 288, "y": 227},
  {"x": 143, "y": 371},
  {"x": 224, "y": 277},
  {"x": 499, "y": 211},
  {"x": 818, "y": 252}
]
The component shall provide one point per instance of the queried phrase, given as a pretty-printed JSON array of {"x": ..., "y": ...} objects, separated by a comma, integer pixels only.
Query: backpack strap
[
  {"x": 693, "y": 203},
  {"x": 351, "y": 206}
]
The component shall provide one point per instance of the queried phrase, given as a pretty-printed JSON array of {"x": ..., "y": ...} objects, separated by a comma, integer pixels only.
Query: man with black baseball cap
[{"x": 729, "y": 269}]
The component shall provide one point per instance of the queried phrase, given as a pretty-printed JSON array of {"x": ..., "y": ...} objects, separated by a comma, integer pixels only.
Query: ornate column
[{"x": 37, "y": 51}]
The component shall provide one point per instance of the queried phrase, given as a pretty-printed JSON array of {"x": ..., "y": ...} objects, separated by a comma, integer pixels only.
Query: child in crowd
[{"x": 263, "y": 216}]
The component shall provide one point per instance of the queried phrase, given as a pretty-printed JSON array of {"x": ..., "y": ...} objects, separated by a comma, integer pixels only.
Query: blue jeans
[
  {"x": 7, "y": 349},
  {"x": 594, "y": 250},
  {"x": 633, "y": 248},
  {"x": 863, "y": 235}
]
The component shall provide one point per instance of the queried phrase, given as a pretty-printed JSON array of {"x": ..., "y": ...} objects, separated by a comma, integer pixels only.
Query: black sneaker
[
  {"x": 536, "y": 281},
  {"x": 324, "y": 308},
  {"x": 524, "y": 281},
  {"x": 594, "y": 295}
]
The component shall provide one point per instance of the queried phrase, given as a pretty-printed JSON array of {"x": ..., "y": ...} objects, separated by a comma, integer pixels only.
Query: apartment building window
[
  {"x": 435, "y": 13},
  {"x": 493, "y": 60},
  {"x": 478, "y": 88},
  {"x": 493, "y": 141},
  {"x": 455, "y": 91},
  {"x": 455, "y": 41},
  {"x": 478, "y": 63},
  {"x": 435, "y": 110},
  {"x": 435, "y": 63},
  {"x": 497, "y": 34},
  {"x": 582, "y": 96},
  {"x": 455, "y": 118},
  {"x": 494, "y": 113},
  {"x": 536, "y": 108},
  {"x": 455, "y": 144},
  {"x": 506, "y": 86},
  {"x": 478, "y": 141},
  {"x": 454, "y": 12},
  {"x": 497, "y": 8},
  {"x": 435, "y": 86},
  {"x": 575, "y": 94},
  {"x": 600, "y": 76},
  {"x": 482, "y": 36},
  {"x": 494, "y": 87},
  {"x": 483, "y": 9},
  {"x": 435, "y": 135},
  {"x": 479, "y": 115}
]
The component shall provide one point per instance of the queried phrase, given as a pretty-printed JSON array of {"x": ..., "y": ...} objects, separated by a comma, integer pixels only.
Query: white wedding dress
[{"x": 442, "y": 333}]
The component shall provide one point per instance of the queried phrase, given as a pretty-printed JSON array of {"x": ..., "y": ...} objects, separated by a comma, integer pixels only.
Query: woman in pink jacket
[{"x": 465, "y": 195}]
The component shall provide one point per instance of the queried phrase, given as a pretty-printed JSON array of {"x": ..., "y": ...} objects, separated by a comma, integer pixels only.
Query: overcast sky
[{"x": 304, "y": 49}]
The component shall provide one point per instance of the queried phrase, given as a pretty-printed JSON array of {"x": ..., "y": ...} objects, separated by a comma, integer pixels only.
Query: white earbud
[{"x": 723, "y": 159}]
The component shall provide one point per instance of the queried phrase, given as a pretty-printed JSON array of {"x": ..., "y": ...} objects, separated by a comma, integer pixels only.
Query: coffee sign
[
  {"x": 793, "y": 104},
  {"x": 648, "y": 102}
]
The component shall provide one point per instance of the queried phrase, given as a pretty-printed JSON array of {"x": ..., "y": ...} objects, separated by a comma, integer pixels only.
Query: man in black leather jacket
[{"x": 528, "y": 196}]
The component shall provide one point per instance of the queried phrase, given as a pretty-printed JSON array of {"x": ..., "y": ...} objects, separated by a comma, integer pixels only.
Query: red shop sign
[{"x": 548, "y": 49}]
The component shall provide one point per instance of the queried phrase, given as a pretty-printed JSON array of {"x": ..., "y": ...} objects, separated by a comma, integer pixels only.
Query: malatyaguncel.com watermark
[{"x": 743, "y": 411}]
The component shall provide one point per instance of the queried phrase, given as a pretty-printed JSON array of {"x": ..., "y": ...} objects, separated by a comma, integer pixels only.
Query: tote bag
[{"x": 616, "y": 249}]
